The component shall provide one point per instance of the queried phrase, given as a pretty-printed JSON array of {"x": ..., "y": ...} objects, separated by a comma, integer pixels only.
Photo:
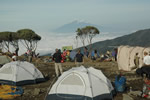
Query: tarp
[
  {"x": 10, "y": 92},
  {"x": 81, "y": 83},
  {"x": 67, "y": 48}
]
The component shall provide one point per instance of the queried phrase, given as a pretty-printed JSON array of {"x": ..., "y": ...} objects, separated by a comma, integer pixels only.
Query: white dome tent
[
  {"x": 20, "y": 73},
  {"x": 81, "y": 84}
]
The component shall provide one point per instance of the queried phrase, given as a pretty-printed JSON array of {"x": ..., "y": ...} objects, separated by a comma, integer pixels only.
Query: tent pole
[{"x": 90, "y": 83}]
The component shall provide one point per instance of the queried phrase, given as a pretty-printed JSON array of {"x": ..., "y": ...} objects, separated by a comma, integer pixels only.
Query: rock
[
  {"x": 26, "y": 92},
  {"x": 43, "y": 90},
  {"x": 24, "y": 88},
  {"x": 36, "y": 91},
  {"x": 127, "y": 97},
  {"x": 36, "y": 98},
  {"x": 135, "y": 93},
  {"x": 46, "y": 75},
  {"x": 53, "y": 75}
]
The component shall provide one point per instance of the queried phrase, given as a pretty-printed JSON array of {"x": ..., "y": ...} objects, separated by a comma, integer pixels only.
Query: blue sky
[{"x": 45, "y": 15}]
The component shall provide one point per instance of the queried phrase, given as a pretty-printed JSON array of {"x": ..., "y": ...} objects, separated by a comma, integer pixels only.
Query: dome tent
[
  {"x": 20, "y": 73},
  {"x": 81, "y": 84}
]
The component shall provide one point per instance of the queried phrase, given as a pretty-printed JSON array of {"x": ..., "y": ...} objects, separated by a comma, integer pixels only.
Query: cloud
[{"x": 50, "y": 42}]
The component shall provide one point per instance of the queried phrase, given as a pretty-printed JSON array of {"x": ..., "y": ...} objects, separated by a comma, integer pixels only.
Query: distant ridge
[
  {"x": 138, "y": 38},
  {"x": 72, "y": 27}
]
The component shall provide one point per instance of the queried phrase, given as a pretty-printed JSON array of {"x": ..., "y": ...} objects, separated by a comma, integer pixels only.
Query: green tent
[{"x": 4, "y": 60}]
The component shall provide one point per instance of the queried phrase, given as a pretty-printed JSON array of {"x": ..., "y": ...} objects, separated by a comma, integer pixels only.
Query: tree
[
  {"x": 81, "y": 35},
  {"x": 28, "y": 38},
  {"x": 88, "y": 32},
  {"x": 7, "y": 38},
  {"x": 15, "y": 40}
]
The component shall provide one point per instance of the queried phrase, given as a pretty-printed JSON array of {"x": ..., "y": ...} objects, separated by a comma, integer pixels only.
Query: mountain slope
[{"x": 139, "y": 38}]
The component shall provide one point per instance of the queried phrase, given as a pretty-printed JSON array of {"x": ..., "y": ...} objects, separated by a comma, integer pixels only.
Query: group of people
[
  {"x": 65, "y": 55},
  {"x": 144, "y": 71},
  {"x": 57, "y": 57},
  {"x": 30, "y": 54}
]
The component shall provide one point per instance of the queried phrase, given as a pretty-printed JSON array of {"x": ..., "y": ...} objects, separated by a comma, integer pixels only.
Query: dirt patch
[{"x": 110, "y": 69}]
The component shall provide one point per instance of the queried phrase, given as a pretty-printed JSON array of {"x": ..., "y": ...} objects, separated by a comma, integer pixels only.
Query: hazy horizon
[{"x": 123, "y": 16}]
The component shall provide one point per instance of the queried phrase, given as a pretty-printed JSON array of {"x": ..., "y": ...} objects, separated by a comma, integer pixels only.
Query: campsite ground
[{"x": 110, "y": 69}]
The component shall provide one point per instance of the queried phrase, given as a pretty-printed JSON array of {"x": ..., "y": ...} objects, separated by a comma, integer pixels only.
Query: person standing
[
  {"x": 136, "y": 61},
  {"x": 16, "y": 51},
  {"x": 86, "y": 53},
  {"x": 29, "y": 52},
  {"x": 14, "y": 57},
  {"x": 116, "y": 53},
  {"x": 79, "y": 59},
  {"x": 58, "y": 66}
]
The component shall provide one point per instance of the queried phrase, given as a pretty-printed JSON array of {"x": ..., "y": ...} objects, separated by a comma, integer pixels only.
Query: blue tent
[{"x": 73, "y": 54}]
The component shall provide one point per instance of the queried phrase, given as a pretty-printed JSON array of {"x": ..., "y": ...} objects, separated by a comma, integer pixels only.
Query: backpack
[{"x": 120, "y": 83}]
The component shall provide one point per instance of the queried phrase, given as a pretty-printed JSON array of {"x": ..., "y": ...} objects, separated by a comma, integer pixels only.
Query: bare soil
[{"x": 38, "y": 91}]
